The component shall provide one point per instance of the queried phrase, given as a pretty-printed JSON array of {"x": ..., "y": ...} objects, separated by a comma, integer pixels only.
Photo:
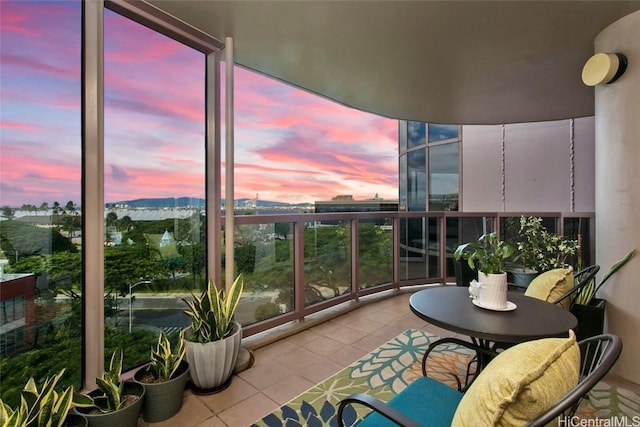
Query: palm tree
[{"x": 56, "y": 211}]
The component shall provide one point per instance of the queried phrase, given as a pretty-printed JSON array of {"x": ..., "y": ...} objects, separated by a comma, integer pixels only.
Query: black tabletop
[{"x": 450, "y": 307}]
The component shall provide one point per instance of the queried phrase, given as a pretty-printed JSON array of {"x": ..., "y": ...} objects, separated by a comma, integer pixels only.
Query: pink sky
[{"x": 289, "y": 145}]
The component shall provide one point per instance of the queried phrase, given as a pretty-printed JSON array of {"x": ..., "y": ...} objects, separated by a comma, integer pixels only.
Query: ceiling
[{"x": 471, "y": 62}]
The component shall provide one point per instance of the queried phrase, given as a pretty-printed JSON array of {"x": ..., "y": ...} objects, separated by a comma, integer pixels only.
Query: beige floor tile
[
  {"x": 363, "y": 323},
  {"x": 237, "y": 391},
  {"x": 347, "y": 335},
  {"x": 248, "y": 411},
  {"x": 320, "y": 370},
  {"x": 388, "y": 331},
  {"x": 326, "y": 328},
  {"x": 303, "y": 337},
  {"x": 383, "y": 317},
  {"x": 323, "y": 346},
  {"x": 287, "y": 389},
  {"x": 369, "y": 342},
  {"x": 273, "y": 350},
  {"x": 211, "y": 422},
  {"x": 347, "y": 355},
  {"x": 298, "y": 358},
  {"x": 265, "y": 372}
]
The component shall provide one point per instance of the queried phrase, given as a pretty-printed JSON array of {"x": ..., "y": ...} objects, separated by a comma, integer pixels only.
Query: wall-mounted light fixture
[{"x": 603, "y": 68}]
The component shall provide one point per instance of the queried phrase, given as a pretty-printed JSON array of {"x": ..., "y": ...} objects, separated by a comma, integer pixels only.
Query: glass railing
[{"x": 295, "y": 265}]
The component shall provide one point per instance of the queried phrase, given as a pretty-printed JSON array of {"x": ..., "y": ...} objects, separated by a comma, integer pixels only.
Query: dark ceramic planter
[
  {"x": 464, "y": 273},
  {"x": 522, "y": 279},
  {"x": 125, "y": 417},
  {"x": 590, "y": 318},
  {"x": 163, "y": 400},
  {"x": 76, "y": 420}
]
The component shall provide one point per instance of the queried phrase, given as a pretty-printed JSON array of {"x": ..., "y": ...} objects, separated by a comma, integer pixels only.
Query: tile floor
[{"x": 287, "y": 367}]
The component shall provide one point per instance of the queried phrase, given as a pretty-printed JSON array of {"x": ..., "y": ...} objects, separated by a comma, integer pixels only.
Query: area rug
[{"x": 387, "y": 370}]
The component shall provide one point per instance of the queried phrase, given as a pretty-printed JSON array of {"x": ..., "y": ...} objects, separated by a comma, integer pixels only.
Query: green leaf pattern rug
[{"x": 387, "y": 370}]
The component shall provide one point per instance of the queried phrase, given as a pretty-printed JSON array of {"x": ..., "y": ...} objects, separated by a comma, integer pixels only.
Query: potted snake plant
[
  {"x": 42, "y": 407},
  {"x": 164, "y": 380},
  {"x": 115, "y": 402},
  {"x": 213, "y": 340}
]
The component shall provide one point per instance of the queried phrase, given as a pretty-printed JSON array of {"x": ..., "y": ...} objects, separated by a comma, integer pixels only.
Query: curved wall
[{"x": 617, "y": 189}]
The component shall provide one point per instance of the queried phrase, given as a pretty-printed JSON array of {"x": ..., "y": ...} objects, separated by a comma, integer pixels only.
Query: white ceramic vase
[
  {"x": 211, "y": 364},
  {"x": 493, "y": 292}
]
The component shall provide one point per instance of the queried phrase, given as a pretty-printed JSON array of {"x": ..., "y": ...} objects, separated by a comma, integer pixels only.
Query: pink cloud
[{"x": 20, "y": 126}]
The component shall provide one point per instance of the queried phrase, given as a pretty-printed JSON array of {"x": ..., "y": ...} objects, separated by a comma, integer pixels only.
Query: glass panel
[
  {"x": 402, "y": 136},
  {"x": 264, "y": 256},
  {"x": 416, "y": 134},
  {"x": 154, "y": 185},
  {"x": 402, "y": 190},
  {"x": 439, "y": 133},
  {"x": 579, "y": 229},
  {"x": 433, "y": 247},
  {"x": 40, "y": 171},
  {"x": 327, "y": 260},
  {"x": 463, "y": 230},
  {"x": 416, "y": 180},
  {"x": 443, "y": 177},
  {"x": 375, "y": 249},
  {"x": 294, "y": 148},
  {"x": 414, "y": 245}
]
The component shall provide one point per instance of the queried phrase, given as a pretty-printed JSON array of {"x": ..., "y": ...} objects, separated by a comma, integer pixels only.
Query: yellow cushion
[
  {"x": 521, "y": 383},
  {"x": 551, "y": 285}
]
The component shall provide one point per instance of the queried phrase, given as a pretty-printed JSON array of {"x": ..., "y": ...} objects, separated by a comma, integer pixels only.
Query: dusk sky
[{"x": 290, "y": 145}]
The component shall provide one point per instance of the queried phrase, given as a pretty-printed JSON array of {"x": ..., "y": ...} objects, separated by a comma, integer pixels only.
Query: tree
[
  {"x": 44, "y": 206},
  {"x": 56, "y": 212},
  {"x": 111, "y": 219},
  {"x": 8, "y": 212}
]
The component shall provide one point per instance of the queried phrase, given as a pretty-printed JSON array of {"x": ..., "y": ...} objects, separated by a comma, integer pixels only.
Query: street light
[{"x": 143, "y": 282}]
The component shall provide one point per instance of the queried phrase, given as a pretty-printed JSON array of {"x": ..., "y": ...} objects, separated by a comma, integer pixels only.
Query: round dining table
[{"x": 451, "y": 308}]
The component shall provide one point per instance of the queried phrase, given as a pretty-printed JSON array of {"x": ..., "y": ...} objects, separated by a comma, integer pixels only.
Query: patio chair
[
  {"x": 514, "y": 388},
  {"x": 582, "y": 278},
  {"x": 561, "y": 285}
]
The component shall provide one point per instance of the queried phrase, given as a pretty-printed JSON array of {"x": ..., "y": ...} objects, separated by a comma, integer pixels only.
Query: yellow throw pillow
[
  {"x": 521, "y": 383},
  {"x": 551, "y": 285}
]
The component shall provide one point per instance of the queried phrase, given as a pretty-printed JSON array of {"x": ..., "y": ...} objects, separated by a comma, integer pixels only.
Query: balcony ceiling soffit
[{"x": 473, "y": 62}]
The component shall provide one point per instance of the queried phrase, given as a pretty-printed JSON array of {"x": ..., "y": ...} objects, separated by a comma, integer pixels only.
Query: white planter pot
[
  {"x": 493, "y": 292},
  {"x": 211, "y": 364}
]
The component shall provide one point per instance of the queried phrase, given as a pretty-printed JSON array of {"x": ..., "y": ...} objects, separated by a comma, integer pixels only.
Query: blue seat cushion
[{"x": 425, "y": 400}]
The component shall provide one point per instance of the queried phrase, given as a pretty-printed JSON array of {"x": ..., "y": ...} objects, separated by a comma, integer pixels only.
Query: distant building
[{"x": 346, "y": 203}]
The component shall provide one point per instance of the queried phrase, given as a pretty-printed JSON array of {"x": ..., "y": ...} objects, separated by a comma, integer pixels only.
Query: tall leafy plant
[
  {"x": 165, "y": 361},
  {"x": 39, "y": 407},
  {"x": 109, "y": 383},
  {"x": 589, "y": 291},
  {"x": 211, "y": 313}
]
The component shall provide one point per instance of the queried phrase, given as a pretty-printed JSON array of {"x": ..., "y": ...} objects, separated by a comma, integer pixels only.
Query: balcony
[{"x": 287, "y": 367}]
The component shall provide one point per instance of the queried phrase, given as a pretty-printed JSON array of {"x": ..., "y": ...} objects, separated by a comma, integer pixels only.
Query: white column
[{"x": 617, "y": 189}]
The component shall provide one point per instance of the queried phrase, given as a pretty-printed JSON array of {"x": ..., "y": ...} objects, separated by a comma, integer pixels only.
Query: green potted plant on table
[
  {"x": 489, "y": 252},
  {"x": 115, "y": 402},
  {"x": 488, "y": 255},
  {"x": 44, "y": 407},
  {"x": 164, "y": 380},
  {"x": 213, "y": 340}
]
